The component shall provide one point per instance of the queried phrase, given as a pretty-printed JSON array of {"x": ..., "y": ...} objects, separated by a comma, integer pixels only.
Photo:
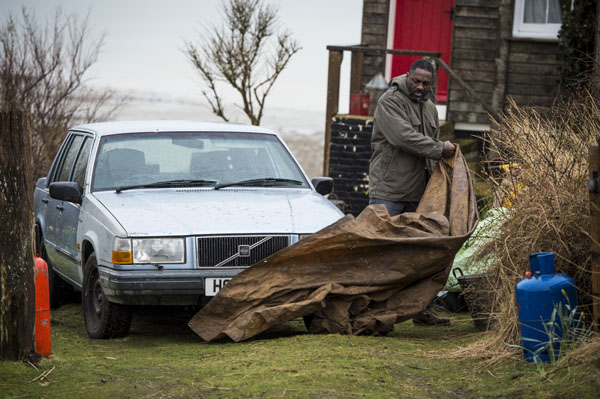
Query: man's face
[{"x": 419, "y": 85}]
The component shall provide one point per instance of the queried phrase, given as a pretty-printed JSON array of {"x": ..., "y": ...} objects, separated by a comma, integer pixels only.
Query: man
[{"x": 406, "y": 148}]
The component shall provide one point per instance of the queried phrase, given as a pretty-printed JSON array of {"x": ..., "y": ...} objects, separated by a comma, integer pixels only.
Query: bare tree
[
  {"x": 17, "y": 292},
  {"x": 596, "y": 75},
  {"x": 43, "y": 70},
  {"x": 235, "y": 54}
]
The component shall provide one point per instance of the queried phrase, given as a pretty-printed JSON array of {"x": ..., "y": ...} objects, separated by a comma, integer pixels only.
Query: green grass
[{"x": 162, "y": 358}]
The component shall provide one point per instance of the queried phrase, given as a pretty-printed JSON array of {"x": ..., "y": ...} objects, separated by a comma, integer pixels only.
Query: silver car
[{"x": 165, "y": 213}]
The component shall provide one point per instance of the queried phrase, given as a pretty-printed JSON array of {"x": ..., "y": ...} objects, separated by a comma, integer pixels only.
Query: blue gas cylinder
[{"x": 537, "y": 296}]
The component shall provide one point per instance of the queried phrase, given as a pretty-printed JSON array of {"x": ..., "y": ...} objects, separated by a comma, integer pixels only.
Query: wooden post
[
  {"x": 356, "y": 72},
  {"x": 594, "y": 162},
  {"x": 596, "y": 75},
  {"x": 333, "y": 98},
  {"x": 505, "y": 8},
  {"x": 17, "y": 291},
  {"x": 436, "y": 72}
]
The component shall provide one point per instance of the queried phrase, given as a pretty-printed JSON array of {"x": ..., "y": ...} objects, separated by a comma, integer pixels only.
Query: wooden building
[
  {"x": 500, "y": 48},
  {"x": 491, "y": 51}
]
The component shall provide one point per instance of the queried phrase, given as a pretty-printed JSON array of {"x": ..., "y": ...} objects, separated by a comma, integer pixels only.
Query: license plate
[{"x": 212, "y": 285}]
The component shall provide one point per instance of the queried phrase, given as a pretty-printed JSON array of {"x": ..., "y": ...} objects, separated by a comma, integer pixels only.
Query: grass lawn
[{"x": 163, "y": 358}]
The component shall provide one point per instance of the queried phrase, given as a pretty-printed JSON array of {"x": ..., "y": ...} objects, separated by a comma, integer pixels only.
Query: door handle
[
  {"x": 45, "y": 200},
  {"x": 60, "y": 207}
]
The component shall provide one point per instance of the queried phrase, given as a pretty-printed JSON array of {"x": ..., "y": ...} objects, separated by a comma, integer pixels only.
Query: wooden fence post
[
  {"x": 333, "y": 98},
  {"x": 436, "y": 73},
  {"x": 17, "y": 291},
  {"x": 356, "y": 72},
  {"x": 594, "y": 189}
]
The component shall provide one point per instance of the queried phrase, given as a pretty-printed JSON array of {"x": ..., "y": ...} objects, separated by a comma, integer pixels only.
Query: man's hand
[{"x": 448, "y": 149}]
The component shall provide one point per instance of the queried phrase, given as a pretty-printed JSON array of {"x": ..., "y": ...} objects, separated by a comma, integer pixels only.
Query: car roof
[{"x": 108, "y": 128}]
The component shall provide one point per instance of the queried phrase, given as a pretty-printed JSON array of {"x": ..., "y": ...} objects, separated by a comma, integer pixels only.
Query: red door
[{"x": 423, "y": 25}]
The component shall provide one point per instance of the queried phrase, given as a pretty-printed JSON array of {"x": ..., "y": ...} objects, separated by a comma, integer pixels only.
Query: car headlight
[{"x": 149, "y": 250}]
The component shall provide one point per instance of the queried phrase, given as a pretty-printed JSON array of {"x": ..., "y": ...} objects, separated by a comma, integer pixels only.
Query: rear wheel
[{"x": 103, "y": 319}]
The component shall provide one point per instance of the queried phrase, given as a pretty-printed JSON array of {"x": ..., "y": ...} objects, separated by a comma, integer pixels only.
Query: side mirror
[
  {"x": 66, "y": 191},
  {"x": 323, "y": 185}
]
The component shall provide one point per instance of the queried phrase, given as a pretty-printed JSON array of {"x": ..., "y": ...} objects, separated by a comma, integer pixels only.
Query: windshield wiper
[
  {"x": 168, "y": 183},
  {"x": 264, "y": 182}
]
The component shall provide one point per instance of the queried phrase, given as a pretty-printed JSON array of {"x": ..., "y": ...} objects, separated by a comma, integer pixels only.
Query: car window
[
  {"x": 68, "y": 158},
  {"x": 144, "y": 158},
  {"x": 54, "y": 169},
  {"x": 82, "y": 160}
]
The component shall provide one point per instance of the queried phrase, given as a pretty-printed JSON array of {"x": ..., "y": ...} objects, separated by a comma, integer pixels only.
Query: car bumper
[{"x": 158, "y": 287}]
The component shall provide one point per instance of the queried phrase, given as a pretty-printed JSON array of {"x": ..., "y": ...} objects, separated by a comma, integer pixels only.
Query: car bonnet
[{"x": 199, "y": 211}]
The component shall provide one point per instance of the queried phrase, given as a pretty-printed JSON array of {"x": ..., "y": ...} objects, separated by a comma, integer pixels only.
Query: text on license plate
[{"x": 212, "y": 285}]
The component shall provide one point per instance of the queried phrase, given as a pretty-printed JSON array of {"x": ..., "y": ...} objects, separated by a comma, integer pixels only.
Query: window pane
[
  {"x": 535, "y": 11},
  {"x": 80, "y": 165},
  {"x": 69, "y": 158},
  {"x": 554, "y": 16}
]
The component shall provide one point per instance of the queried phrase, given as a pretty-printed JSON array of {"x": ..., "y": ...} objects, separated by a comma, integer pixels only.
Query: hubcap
[{"x": 97, "y": 297}]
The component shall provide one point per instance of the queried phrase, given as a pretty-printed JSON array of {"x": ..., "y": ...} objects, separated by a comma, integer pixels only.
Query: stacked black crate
[{"x": 349, "y": 156}]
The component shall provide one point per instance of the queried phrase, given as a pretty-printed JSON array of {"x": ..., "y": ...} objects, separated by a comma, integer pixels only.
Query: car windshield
[{"x": 176, "y": 159}]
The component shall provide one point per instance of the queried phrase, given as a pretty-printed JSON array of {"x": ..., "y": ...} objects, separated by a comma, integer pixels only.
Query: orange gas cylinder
[{"x": 43, "y": 340}]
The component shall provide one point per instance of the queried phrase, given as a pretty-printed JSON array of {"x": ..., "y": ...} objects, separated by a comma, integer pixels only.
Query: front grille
[{"x": 221, "y": 251}]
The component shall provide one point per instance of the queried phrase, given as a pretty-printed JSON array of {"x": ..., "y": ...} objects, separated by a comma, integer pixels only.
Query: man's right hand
[{"x": 448, "y": 149}]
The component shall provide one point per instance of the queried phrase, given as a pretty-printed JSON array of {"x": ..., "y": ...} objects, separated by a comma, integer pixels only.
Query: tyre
[{"x": 103, "y": 319}]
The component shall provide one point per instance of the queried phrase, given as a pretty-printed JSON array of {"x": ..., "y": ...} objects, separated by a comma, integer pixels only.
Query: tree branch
[{"x": 236, "y": 54}]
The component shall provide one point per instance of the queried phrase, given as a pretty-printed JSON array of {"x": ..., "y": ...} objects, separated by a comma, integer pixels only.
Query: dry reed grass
[
  {"x": 548, "y": 206},
  {"x": 586, "y": 353}
]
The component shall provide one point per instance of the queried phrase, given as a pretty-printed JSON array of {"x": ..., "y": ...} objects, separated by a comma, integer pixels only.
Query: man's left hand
[{"x": 448, "y": 149}]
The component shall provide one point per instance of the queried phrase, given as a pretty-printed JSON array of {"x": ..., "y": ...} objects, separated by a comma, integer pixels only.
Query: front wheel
[{"x": 103, "y": 319}]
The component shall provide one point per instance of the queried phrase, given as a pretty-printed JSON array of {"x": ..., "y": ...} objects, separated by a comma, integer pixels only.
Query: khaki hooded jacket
[{"x": 405, "y": 145}]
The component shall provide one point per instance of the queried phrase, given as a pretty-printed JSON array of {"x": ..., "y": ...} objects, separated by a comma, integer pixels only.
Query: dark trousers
[{"x": 395, "y": 208}]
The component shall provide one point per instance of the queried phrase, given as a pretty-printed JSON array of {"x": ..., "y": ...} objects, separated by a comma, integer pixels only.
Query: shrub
[{"x": 549, "y": 202}]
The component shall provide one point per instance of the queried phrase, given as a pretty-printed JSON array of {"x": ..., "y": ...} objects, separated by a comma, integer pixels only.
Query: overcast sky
[{"x": 145, "y": 38}]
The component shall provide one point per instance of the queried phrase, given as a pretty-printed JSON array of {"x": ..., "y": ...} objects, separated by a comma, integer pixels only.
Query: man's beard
[{"x": 419, "y": 99}]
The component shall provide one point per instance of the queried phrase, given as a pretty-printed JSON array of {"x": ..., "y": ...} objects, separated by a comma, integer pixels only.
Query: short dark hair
[{"x": 421, "y": 64}]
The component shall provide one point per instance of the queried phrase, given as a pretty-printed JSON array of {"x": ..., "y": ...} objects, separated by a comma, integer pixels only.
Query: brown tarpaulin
[{"x": 359, "y": 275}]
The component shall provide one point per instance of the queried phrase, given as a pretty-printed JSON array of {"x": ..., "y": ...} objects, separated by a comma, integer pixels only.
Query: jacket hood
[{"x": 400, "y": 83}]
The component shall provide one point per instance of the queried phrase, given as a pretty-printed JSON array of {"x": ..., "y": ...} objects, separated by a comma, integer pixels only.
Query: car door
[
  {"x": 47, "y": 207},
  {"x": 65, "y": 215}
]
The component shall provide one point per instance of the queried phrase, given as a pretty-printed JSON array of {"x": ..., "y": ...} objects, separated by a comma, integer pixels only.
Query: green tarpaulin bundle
[
  {"x": 358, "y": 276},
  {"x": 467, "y": 261}
]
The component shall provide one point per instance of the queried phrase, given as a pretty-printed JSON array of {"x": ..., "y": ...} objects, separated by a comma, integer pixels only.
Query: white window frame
[{"x": 531, "y": 30}]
